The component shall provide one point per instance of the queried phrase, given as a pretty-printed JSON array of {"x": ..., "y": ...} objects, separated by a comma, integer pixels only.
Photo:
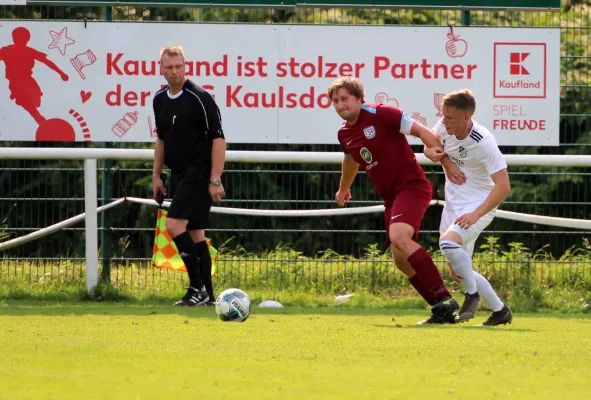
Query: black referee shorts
[{"x": 190, "y": 197}]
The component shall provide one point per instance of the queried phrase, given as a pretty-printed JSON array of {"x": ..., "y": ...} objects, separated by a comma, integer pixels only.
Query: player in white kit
[{"x": 469, "y": 207}]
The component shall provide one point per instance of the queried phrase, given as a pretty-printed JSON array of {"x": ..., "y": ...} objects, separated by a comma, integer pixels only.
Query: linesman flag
[{"x": 166, "y": 255}]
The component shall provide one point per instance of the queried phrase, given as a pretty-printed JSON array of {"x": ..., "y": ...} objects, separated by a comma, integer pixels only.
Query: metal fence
[{"x": 35, "y": 194}]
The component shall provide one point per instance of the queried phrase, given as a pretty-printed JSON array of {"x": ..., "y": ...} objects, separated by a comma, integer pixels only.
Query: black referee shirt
[{"x": 187, "y": 124}]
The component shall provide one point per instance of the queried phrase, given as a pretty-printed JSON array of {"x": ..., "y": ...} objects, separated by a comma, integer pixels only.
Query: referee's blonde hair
[
  {"x": 172, "y": 51},
  {"x": 461, "y": 99}
]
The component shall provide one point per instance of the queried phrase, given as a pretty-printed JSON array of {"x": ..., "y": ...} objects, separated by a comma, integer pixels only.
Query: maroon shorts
[{"x": 409, "y": 206}]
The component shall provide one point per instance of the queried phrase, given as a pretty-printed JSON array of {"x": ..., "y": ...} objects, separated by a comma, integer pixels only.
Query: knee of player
[
  {"x": 399, "y": 239},
  {"x": 451, "y": 236},
  {"x": 174, "y": 226}
]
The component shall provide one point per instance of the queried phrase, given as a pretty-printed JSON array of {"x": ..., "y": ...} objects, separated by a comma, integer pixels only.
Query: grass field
[{"x": 152, "y": 351}]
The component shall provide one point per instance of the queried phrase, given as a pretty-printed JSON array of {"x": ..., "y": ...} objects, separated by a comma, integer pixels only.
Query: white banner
[{"x": 65, "y": 81}]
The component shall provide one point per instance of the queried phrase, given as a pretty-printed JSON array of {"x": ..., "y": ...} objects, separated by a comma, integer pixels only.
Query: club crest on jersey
[
  {"x": 366, "y": 155},
  {"x": 463, "y": 152},
  {"x": 370, "y": 132}
]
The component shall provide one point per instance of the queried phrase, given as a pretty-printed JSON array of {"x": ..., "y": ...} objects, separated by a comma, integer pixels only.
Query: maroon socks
[{"x": 428, "y": 274}]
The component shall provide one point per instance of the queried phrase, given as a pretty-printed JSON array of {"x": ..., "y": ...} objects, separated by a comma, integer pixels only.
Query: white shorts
[{"x": 469, "y": 235}]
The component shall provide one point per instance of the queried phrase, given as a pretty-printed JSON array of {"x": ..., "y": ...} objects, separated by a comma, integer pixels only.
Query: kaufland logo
[
  {"x": 516, "y": 67},
  {"x": 520, "y": 70}
]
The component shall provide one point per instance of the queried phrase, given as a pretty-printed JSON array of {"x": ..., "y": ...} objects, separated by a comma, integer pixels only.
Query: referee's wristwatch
[{"x": 216, "y": 182}]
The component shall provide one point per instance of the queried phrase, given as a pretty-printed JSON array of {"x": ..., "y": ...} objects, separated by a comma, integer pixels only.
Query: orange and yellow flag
[{"x": 166, "y": 254}]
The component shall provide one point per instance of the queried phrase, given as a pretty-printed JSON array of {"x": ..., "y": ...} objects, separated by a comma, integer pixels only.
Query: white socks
[
  {"x": 461, "y": 263},
  {"x": 471, "y": 280},
  {"x": 487, "y": 293}
]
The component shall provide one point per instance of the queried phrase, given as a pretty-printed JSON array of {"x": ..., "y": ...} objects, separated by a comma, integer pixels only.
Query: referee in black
[{"x": 191, "y": 143}]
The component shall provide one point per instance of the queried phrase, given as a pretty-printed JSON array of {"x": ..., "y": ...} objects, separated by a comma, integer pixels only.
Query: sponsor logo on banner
[
  {"x": 370, "y": 132},
  {"x": 520, "y": 70}
]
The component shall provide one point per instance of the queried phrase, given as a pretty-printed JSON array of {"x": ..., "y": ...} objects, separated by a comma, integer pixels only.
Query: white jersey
[{"x": 478, "y": 156}]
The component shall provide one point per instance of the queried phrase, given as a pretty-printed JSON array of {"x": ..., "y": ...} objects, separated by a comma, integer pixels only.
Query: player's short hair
[
  {"x": 462, "y": 99},
  {"x": 172, "y": 51},
  {"x": 350, "y": 84}
]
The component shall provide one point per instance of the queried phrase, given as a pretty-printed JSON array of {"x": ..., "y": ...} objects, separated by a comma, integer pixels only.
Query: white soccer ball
[{"x": 233, "y": 305}]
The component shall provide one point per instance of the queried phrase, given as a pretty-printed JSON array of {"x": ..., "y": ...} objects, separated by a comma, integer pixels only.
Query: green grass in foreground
[
  {"x": 151, "y": 351},
  {"x": 525, "y": 298}
]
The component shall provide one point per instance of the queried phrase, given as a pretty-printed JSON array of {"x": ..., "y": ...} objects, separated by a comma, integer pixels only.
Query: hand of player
[
  {"x": 455, "y": 174},
  {"x": 434, "y": 154},
  {"x": 465, "y": 221},
  {"x": 158, "y": 189},
  {"x": 342, "y": 198},
  {"x": 65, "y": 77},
  {"x": 216, "y": 192}
]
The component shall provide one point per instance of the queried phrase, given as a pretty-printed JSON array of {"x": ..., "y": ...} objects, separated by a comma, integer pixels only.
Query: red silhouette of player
[{"x": 24, "y": 89}]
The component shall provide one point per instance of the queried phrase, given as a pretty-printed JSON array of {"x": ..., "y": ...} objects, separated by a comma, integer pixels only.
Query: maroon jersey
[{"x": 376, "y": 143}]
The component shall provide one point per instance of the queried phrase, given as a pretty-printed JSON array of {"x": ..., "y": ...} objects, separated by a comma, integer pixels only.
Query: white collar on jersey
[{"x": 175, "y": 96}]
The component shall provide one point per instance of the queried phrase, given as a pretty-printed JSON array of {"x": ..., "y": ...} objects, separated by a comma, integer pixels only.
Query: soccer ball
[{"x": 233, "y": 305}]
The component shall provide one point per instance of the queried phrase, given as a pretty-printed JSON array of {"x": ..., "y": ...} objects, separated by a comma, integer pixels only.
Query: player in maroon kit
[{"x": 373, "y": 135}]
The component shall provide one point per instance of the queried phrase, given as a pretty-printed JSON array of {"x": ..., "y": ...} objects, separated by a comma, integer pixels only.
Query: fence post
[
  {"x": 106, "y": 194},
  {"x": 90, "y": 208},
  {"x": 108, "y": 13},
  {"x": 466, "y": 17},
  {"x": 106, "y": 236}
]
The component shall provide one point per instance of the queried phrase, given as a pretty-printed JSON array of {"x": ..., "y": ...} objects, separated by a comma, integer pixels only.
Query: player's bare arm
[
  {"x": 436, "y": 153},
  {"x": 218, "y": 158},
  {"x": 495, "y": 197},
  {"x": 349, "y": 171},
  {"x": 426, "y": 135}
]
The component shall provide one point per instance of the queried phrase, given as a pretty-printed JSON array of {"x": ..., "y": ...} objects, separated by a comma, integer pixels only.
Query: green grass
[{"x": 150, "y": 351}]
